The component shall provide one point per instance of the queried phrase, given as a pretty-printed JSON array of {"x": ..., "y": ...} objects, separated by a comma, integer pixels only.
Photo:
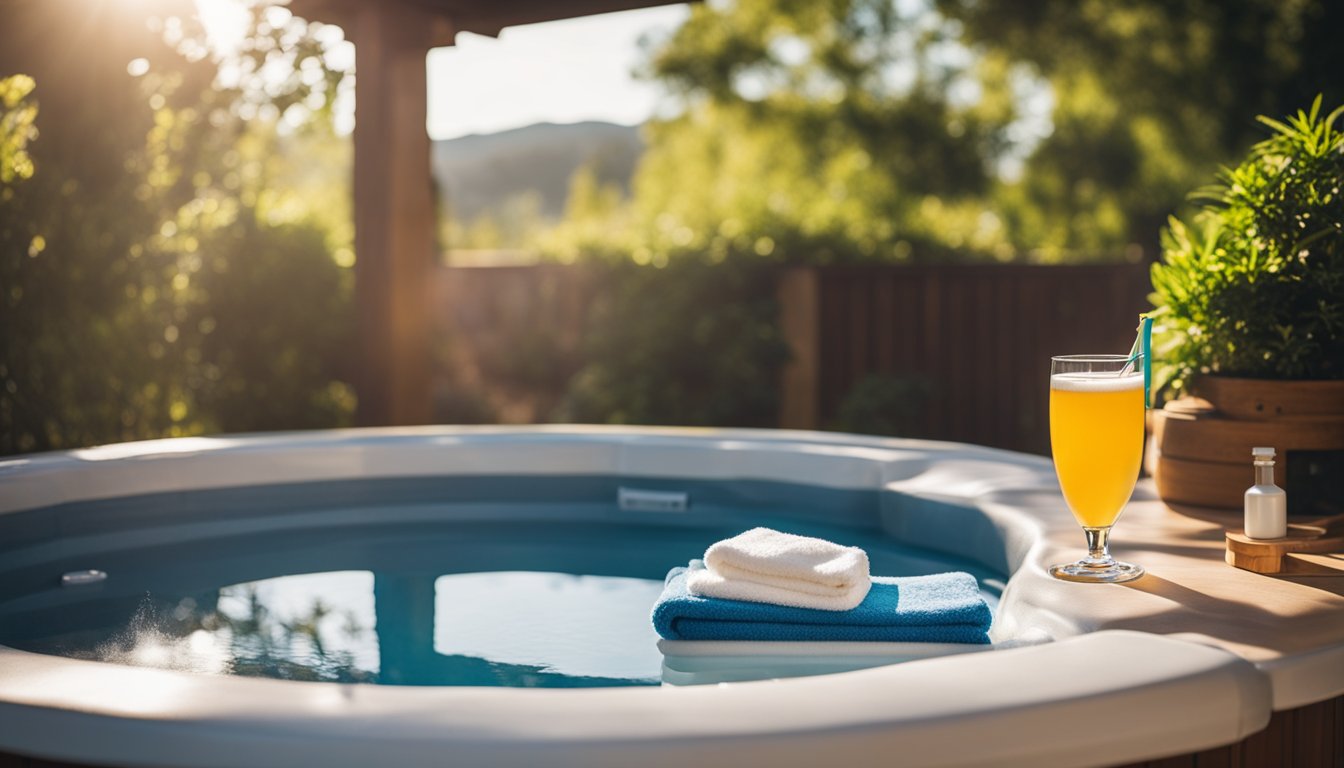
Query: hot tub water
[{"x": 505, "y": 602}]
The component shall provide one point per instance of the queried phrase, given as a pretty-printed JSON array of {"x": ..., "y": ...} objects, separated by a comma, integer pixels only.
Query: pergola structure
[{"x": 394, "y": 193}]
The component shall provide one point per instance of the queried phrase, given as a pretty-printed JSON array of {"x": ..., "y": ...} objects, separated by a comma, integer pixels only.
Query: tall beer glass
[{"x": 1096, "y": 436}]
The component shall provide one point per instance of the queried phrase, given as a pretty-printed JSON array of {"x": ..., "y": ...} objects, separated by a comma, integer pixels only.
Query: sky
[{"x": 560, "y": 71}]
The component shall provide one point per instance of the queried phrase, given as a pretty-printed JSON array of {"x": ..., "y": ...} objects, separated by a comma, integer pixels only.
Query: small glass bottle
[{"x": 1266, "y": 503}]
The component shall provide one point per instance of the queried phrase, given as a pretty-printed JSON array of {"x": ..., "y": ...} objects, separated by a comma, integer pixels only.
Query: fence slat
[
  {"x": 976, "y": 337},
  {"x": 984, "y": 337}
]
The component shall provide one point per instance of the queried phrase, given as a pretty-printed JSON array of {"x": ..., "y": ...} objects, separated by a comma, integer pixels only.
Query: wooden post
[
  {"x": 394, "y": 213},
  {"x": 799, "y": 320}
]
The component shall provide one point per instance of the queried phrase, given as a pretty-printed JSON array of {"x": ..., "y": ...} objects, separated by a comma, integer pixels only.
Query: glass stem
[{"x": 1098, "y": 549}]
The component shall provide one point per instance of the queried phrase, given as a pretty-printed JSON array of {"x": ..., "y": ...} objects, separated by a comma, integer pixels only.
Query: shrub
[
  {"x": 267, "y": 341},
  {"x": 1254, "y": 285},
  {"x": 690, "y": 343},
  {"x": 881, "y": 404}
]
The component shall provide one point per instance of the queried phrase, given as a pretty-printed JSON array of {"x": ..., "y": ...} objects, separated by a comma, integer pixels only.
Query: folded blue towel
[{"x": 942, "y": 608}]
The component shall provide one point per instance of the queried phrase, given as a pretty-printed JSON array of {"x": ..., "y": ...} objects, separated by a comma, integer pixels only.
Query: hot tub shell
[{"x": 1022, "y": 703}]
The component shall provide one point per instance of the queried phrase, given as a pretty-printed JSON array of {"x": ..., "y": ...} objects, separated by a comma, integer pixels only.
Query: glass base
[{"x": 1112, "y": 572}]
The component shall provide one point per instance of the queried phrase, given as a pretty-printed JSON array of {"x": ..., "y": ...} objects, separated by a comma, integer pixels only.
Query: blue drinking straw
[
  {"x": 1143, "y": 347},
  {"x": 1146, "y": 333}
]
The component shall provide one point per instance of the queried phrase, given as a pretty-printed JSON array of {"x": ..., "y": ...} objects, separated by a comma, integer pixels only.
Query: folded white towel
[{"x": 768, "y": 566}]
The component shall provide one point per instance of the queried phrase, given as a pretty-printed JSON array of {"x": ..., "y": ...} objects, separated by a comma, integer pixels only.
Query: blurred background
[{"x": 878, "y": 216}]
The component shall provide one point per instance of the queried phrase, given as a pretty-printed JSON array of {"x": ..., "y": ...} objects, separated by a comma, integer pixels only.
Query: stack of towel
[
  {"x": 766, "y": 566},
  {"x": 773, "y": 586}
]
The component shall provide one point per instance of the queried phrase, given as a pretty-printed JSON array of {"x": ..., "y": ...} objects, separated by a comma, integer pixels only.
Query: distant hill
[{"x": 480, "y": 172}]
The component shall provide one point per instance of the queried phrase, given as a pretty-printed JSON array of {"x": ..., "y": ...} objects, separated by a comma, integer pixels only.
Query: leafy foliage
[
  {"x": 864, "y": 130},
  {"x": 1150, "y": 98},
  {"x": 810, "y": 132},
  {"x": 1254, "y": 286},
  {"x": 16, "y": 128},
  {"x": 693, "y": 343},
  {"x": 268, "y": 362},
  {"x": 1041, "y": 130},
  {"x": 157, "y": 277},
  {"x": 882, "y": 404}
]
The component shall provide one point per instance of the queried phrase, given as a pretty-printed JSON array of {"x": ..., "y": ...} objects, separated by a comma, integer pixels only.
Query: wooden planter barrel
[{"x": 1200, "y": 452}]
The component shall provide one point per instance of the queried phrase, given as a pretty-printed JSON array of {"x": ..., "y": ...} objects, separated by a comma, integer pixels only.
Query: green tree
[
  {"x": 1150, "y": 98},
  {"x": 16, "y": 128},
  {"x": 147, "y": 174},
  {"x": 810, "y": 132},
  {"x": 1045, "y": 130},
  {"x": 80, "y": 355}
]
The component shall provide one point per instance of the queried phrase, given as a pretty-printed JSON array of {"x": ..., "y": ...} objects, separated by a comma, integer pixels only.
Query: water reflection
[
  {"x": 377, "y": 607},
  {"x": 307, "y": 627},
  {"x": 316, "y": 627},
  {"x": 499, "y": 629},
  {"x": 582, "y": 626}
]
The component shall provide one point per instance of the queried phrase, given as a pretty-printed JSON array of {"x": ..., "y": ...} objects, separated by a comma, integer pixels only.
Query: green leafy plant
[
  {"x": 691, "y": 343},
  {"x": 1253, "y": 286},
  {"x": 882, "y": 404},
  {"x": 17, "y": 128},
  {"x": 169, "y": 263}
]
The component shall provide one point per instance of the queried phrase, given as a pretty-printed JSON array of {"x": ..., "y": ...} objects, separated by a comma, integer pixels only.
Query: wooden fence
[
  {"x": 968, "y": 346},
  {"x": 509, "y": 337},
  {"x": 963, "y": 350}
]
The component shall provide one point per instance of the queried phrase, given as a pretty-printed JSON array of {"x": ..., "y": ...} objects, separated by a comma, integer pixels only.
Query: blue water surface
[{"x": 531, "y": 583}]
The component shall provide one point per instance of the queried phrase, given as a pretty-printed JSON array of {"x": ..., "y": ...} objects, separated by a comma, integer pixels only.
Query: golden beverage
[{"x": 1096, "y": 436}]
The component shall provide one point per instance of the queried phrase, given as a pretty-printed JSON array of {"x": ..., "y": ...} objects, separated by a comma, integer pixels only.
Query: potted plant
[{"x": 1250, "y": 317}]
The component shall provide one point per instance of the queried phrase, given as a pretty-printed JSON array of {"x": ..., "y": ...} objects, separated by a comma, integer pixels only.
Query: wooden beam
[
  {"x": 486, "y": 17},
  {"x": 394, "y": 213},
  {"x": 489, "y": 18}
]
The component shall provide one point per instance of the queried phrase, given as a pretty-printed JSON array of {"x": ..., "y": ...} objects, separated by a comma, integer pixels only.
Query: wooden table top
[{"x": 1276, "y": 621}]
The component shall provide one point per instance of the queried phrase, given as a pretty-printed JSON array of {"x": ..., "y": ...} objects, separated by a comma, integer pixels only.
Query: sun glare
[{"x": 225, "y": 23}]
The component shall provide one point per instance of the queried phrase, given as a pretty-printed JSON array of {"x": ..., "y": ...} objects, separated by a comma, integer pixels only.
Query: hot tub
[{"x": 410, "y": 538}]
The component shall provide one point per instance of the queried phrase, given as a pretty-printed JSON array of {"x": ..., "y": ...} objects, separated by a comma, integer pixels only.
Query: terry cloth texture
[
  {"x": 768, "y": 566},
  {"x": 941, "y": 608}
]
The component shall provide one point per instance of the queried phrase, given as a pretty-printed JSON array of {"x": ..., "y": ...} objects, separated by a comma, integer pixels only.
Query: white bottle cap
[{"x": 1262, "y": 451}]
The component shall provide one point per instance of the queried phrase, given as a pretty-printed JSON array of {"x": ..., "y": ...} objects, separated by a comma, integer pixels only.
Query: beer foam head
[{"x": 1096, "y": 381}]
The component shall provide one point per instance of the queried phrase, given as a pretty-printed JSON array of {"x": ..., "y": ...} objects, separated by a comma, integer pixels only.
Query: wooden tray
[{"x": 1270, "y": 555}]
